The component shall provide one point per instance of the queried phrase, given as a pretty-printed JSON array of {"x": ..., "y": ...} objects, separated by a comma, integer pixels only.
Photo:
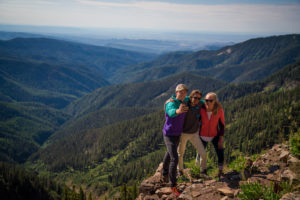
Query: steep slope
[
  {"x": 251, "y": 60},
  {"x": 98, "y": 119},
  {"x": 54, "y": 85},
  {"x": 286, "y": 78},
  {"x": 17, "y": 183},
  {"x": 24, "y": 127}
]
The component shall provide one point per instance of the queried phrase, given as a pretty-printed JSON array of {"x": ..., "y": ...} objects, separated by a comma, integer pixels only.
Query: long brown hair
[{"x": 217, "y": 104}]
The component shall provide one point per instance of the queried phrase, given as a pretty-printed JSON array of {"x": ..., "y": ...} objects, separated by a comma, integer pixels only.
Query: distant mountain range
[
  {"x": 247, "y": 61},
  {"x": 151, "y": 46}
]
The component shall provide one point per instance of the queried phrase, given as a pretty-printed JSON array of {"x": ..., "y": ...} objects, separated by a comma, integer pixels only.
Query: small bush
[
  {"x": 238, "y": 164},
  {"x": 256, "y": 191},
  {"x": 295, "y": 144},
  {"x": 195, "y": 172}
]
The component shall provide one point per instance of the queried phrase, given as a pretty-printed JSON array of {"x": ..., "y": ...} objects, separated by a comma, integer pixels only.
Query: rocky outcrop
[{"x": 274, "y": 166}]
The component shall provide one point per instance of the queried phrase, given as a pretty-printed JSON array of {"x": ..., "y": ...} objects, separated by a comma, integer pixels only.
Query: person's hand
[
  {"x": 182, "y": 108},
  {"x": 220, "y": 142}
]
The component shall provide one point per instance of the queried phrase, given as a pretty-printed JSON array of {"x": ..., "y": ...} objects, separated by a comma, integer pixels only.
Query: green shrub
[
  {"x": 238, "y": 164},
  {"x": 195, "y": 172},
  {"x": 295, "y": 143},
  {"x": 255, "y": 191},
  {"x": 251, "y": 191}
]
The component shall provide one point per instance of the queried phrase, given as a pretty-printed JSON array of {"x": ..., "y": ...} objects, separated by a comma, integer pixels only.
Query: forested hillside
[
  {"x": 57, "y": 72},
  {"x": 24, "y": 127},
  {"x": 62, "y": 117},
  {"x": 39, "y": 77},
  {"x": 127, "y": 151},
  {"x": 286, "y": 78},
  {"x": 251, "y": 60},
  {"x": 147, "y": 94},
  {"x": 53, "y": 85}
]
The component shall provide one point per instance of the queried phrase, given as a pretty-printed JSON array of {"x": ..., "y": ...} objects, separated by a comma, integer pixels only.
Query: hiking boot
[{"x": 175, "y": 191}]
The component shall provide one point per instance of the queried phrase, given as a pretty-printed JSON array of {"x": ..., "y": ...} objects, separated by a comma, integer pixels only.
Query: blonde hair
[{"x": 217, "y": 104}]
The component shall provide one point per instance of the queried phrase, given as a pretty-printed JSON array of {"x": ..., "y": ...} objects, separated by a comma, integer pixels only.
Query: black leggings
[
  {"x": 171, "y": 158},
  {"x": 220, "y": 152}
]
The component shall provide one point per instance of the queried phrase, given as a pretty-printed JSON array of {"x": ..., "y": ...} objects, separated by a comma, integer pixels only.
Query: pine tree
[
  {"x": 123, "y": 192},
  {"x": 90, "y": 197},
  {"x": 81, "y": 194}
]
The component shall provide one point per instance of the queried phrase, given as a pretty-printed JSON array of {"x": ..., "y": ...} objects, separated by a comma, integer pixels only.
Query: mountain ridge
[{"x": 230, "y": 63}]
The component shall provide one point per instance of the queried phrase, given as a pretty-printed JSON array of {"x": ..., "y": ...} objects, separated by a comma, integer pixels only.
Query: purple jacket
[{"x": 174, "y": 123}]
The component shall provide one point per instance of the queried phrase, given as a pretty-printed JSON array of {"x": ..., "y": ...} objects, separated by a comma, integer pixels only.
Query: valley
[{"x": 92, "y": 116}]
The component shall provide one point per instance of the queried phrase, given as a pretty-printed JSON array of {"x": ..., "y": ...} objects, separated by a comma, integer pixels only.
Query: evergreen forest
[{"x": 84, "y": 122}]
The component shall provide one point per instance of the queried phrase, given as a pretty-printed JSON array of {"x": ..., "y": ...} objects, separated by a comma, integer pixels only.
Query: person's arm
[{"x": 172, "y": 111}]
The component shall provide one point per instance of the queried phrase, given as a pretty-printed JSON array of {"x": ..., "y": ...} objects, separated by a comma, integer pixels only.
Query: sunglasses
[
  {"x": 209, "y": 100},
  {"x": 197, "y": 98}
]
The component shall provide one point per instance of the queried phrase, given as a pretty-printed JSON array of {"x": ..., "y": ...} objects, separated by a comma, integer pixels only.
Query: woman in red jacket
[{"x": 213, "y": 126}]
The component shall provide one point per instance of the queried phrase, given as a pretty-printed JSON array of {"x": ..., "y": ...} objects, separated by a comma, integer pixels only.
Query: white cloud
[{"x": 154, "y": 15}]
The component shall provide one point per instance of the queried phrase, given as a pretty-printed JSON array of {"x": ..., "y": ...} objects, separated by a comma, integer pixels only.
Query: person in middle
[{"x": 191, "y": 130}]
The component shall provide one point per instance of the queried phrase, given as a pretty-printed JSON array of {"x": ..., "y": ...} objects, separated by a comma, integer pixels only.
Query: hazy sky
[{"x": 247, "y": 16}]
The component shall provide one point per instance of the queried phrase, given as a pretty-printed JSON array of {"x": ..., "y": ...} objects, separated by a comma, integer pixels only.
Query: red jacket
[{"x": 213, "y": 126}]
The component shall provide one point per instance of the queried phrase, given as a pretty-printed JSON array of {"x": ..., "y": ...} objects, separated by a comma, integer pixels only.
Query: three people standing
[{"x": 184, "y": 115}]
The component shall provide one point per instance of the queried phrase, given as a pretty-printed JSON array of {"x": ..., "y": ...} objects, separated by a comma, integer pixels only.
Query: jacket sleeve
[
  {"x": 221, "y": 123},
  {"x": 171, "y": 109}
]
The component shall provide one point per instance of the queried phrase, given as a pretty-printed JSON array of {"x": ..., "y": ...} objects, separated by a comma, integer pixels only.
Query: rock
[
  {"x": 291, "y": 196},
  {"x": 284, "y": 156},
  {"x": 288, "y": 175},
  {"x": 147, "y": 188},
  {"x": 236, "y": 192},
  {"x": 226, "y": 191},
  {"x": 140, "y": 197},
  {"x": 186, "y": 197},
  {"x": 276, "y": 147},
  {"x": 292, "y": 160},
  {"x": 225, "y": 198},
  {"x": 247, "y": 171},
  {"x": 209, "y": 182},
  {"x": 151, "y": 197},
  {"x": 273, "y": 168},
  {"x": 195, "y": 193},
  {"x": 165, "y": 190}
]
